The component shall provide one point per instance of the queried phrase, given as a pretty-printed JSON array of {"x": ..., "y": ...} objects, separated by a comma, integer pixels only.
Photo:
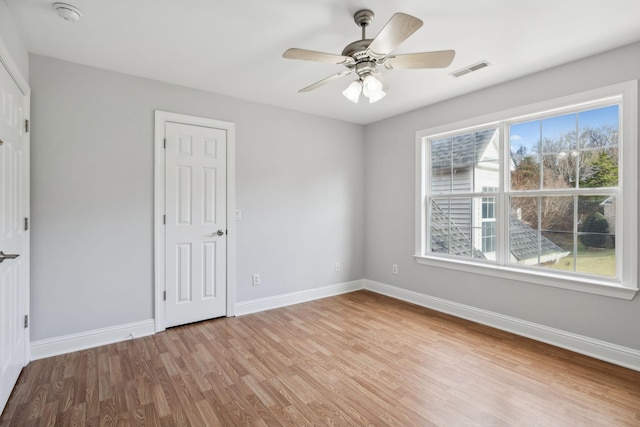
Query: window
[
  {"x": 489, "y": 221},
  {"x": 541, "y": 194}
]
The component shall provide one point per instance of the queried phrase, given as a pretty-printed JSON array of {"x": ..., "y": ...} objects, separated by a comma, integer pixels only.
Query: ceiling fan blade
[
  {"x": 394, "y": 32},
  {"x": 437, "y": 59},
  {"x": 312, "y": 55},
  {"x": 325, "y": 81}
]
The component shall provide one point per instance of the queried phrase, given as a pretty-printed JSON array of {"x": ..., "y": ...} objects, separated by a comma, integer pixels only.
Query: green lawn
[{"x": 600, "y": 262}]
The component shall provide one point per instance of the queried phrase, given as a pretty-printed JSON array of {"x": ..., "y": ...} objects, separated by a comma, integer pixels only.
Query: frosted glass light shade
[
  {"x": 377, "y": 97},
  {"x": 352, "y": 93},
  {"x": 372, "y": 89}
]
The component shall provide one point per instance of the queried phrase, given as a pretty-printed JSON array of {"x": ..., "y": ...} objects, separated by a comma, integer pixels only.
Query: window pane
[
  {"x": 599, "y": 127},
  {"x": 559, "y": 147},
  {"x": 453, "y": 227},
  {"x": 599, "y": 168},
  {"x": 487, "y": 145},
  {"x": 556, "y": 249},
  {"x": 559, "y": 170},
  {"x": 524, "y": 139},
  {"x": 524, "y": 235},
  {"x": 488, "y": 237},
  {"x": 487, "y": 176},
  {"x": 557, "y": 242},
  {"x": 525, "y": 155},
  {"x": 484, "y": 226},
  {"x": 461, "y": 243},
  {"x": 557, "y": 214},
  {"x": 559, "y": 134},
  {"x": 525, "y": 173},
  {"x": 600, "y": 262},
  {"x": 440, "y": 225},
  {"x": 597, "y": 249},
  {"x": 488, "y": 207},
  {"x": 441, "y": 168}
]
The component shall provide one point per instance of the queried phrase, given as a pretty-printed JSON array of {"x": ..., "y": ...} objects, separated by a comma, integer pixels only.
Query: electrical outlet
[
  {"x": 337, "y": 267},
  {"x": 256, "y": 279},
  {"x": 394, "y": 268}
]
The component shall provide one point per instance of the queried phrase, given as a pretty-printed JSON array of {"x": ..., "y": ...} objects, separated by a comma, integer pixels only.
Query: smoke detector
[{"x": 68, "y": 12}]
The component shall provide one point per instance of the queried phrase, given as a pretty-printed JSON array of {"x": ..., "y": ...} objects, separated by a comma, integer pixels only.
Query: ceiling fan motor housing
[
  {"x": 365, "y": 67},
  {"x": 358, "y": 49}
]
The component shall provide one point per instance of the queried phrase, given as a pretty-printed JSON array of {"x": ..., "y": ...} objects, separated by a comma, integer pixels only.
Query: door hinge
[
  {"x": 26, "y": 125},
  {"x": 164, "y": 219},
  {"x": 26, "y": 321},
  {"x": 165, "y": 143},
  {"x": 164, "y": 295},
  {"x": 26, "y": 224}
]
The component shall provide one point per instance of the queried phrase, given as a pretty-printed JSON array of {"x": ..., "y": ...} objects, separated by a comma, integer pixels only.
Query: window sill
[{"x": 592, "y": 286}]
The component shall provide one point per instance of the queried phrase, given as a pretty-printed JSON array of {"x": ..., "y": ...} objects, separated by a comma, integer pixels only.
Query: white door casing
[
  {"x": 14, "y": 237},
  {"x": 194, "y": 257}
]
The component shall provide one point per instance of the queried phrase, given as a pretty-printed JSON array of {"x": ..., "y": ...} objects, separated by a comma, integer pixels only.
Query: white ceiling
[{"x": 234, "y": 47}]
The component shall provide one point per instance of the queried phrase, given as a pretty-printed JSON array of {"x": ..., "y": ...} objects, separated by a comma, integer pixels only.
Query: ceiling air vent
[{"x": 470, "y": 68}]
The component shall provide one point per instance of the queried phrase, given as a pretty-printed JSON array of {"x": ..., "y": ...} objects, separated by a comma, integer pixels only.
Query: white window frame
[{"x": 626, "y": 286}]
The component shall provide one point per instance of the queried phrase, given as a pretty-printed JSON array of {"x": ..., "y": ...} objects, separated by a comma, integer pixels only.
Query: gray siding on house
[
  {"x": 461, "y": 182},
  {"x": 448, "y": 238}
]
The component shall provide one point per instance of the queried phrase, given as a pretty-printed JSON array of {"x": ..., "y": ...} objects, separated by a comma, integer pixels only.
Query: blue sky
[{"x": 527, "y": 134}]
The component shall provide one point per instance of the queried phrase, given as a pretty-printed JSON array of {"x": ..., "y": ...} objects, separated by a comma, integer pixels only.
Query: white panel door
[
  {"x": 13, "y": 237},
  {"x": 196, "y": 223}
]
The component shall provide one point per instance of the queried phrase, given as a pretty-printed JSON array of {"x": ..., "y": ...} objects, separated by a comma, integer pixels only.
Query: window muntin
[{"x": 557, "y": 176}]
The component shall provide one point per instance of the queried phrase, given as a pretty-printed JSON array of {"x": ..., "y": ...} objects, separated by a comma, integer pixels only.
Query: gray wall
[
  {"x": 299, "y": 185},
  {"x": 10, "y": 37},
  {"x": 300, "y": 182},
  {"x": 390, "y": 207}
]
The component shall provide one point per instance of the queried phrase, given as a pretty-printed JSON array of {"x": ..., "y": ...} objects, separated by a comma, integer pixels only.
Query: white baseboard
[
  {"x": 261, "y": 304},
  {"x": 616, "y": 354},
  {"x": 613, "y": 353},
  {"x": 83, "y": 340}
]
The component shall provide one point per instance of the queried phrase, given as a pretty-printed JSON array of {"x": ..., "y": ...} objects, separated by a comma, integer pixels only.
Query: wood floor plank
[{"x": 354, "y": 359}]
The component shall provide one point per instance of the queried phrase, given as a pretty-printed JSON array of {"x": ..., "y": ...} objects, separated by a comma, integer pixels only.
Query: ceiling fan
[{"x": 363, "y": 56}]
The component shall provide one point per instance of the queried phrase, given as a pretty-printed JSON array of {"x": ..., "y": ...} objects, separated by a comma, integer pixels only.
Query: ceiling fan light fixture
[
  {"x": 372, "y": 89},
  {"x": 377, "y": 96},
  {"x": 352, "y": 93}
]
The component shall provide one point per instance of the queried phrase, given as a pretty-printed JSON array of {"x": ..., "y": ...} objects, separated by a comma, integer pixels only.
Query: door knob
[
  {"x": 4, "y": 256},
  {"x": 218, "y": 233}
]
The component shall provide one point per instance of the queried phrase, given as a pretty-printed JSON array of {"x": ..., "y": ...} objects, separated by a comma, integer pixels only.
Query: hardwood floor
[{"x": 355, "y": 359}]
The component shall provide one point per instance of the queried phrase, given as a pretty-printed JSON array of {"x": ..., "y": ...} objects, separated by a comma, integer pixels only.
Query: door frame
[
  {"x": 9, "y": 64},
  {"x": 162, "y": 117}
]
